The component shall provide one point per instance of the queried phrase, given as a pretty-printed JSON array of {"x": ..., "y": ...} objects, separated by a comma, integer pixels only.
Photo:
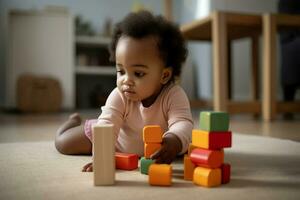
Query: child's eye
[
  {"x": 139, "y": 74},
  {"x": 121, "y": 72}
]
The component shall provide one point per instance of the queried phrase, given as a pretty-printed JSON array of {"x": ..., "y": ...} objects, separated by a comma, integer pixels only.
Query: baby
[{"x": 148, "y": 52}]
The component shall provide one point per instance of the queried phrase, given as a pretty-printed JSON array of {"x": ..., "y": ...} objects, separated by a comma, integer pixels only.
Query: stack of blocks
[
  {"x": 204, "y": 164},
  {"x": 159, "y": 174}
]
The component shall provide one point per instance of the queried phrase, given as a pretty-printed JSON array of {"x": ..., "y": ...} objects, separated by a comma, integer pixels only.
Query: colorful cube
[
  {"x": 150, "y": 148},
  {"x": 207, "y": 177},
  {"x": 145, "y": 164},
  {"x": 152, "y": 134},
  {"x": 189, "y": 167},
  {"x": 214, "y": 121},
  {"x": 207, "y": 158},
  {"x": 160, "y": 174},
  {"x": 211, "y": 139},
  {"x": 126, "y": 161}
]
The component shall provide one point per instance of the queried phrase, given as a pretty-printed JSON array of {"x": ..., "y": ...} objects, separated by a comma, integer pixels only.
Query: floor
[{"x": 42, "y": 127}]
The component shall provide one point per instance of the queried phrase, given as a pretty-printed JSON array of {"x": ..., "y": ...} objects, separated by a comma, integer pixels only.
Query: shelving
[{"x": 94, "y": 73}]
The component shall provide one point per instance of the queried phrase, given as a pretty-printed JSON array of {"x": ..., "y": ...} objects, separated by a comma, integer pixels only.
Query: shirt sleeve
[
  {"x": 113, "y": 111},
  {"x": 180, "y": 122}
]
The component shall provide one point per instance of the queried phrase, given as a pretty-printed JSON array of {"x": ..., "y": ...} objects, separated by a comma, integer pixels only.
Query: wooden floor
[{"x": 25, "y": 128}]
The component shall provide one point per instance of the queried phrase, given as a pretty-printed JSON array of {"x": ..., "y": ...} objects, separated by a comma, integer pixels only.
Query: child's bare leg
[{"x": 70, "y": 138}]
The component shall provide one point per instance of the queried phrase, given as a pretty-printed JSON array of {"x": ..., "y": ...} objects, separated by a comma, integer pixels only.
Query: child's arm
[
  {"x": 180, "y": 124},
  {"x": 171, "y": 146}
]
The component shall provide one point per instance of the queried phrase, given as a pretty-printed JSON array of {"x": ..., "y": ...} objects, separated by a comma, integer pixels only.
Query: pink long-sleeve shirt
[{"x": 171, "y": 110}]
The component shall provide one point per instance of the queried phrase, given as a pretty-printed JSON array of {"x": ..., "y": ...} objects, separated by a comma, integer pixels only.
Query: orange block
[
  {"x": 207, "y": 158},
  {"x": 150, "y": 148},
  {"x": 207, "y": 177},
  {"x": 189, "y": 167},
  {"x": 126, "y": 161},
  {"x": 191, "y": 148},
  {"x": 211, "y": 139},
  {"x": 160, "y": 174},
  {"x": 152, "y": 134}
]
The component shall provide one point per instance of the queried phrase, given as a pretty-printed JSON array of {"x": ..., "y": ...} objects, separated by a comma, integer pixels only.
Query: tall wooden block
[
  {"x": 214, "y": 121},
  {"x": 160, "y": 174},
  {"x": 211, "y": 139},
  {"x": 226, "y": 171},
  {"x": 207, "y": 158},
  {"x": 189, "y": 167},
  {"x": 103, "y": 155},
  {"x": 151, "y": 148},
  {"x": 145, "y": 164},
  {"x": 126, "y": 161},
  {"x": 152, "y": 134},
  {"x": 207, "y": 177}
]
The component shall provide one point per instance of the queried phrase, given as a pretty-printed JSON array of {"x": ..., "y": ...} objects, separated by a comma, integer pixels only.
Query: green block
[
  {"x": 145, "y": 164},
  {"x": 214, "y": 121}
]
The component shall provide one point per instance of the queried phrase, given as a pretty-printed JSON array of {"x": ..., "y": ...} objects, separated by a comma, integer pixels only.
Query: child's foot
[{"x": 73, "y": 121}]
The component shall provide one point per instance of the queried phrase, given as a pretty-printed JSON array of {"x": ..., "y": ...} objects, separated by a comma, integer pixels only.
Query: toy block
[
  {"x": 226, "y": 168},
  {"x": 160, "y": 174},
  {"x": 214, "y": 121},
  {"x": 207, "y": 177},
  {"x": 126, "y": 161},
  {"x": 145, "y": 164},
  {"x": 152, "y": 134},
  {"x": 189, "y": 167},
  {"x": 191, "y": 148},
  {"x": 151, "y": 148},
  {"x": 207, "y": 158},
  {"x": 103, "y": 154},
  {"x": 211, "y": 139}
]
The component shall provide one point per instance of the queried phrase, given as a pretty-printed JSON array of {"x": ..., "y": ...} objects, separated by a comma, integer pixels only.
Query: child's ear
[{"x": 166, "y": 75}]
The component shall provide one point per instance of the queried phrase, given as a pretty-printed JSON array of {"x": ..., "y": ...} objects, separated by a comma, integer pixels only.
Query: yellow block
[
  {"x": 150, "y": 148},
  {"x": 207, "y": 177},
  {"x": 189, "y": 167},
  {"x": 200, "y": 138},
  {"x": 160, "y": 174}
]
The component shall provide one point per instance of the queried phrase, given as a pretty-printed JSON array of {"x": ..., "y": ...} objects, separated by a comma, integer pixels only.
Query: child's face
[{"x": 140, "y": 69}]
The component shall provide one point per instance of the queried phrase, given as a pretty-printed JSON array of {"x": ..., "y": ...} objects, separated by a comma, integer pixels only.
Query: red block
[
  {"x": 225, "y": 173},
  {"x": 126, "y": 161},
  {"x": 207, "y": 158}
]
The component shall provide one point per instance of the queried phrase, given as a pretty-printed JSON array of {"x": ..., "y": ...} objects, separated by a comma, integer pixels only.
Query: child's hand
[
  {"x": 171, "y": 146},
  {"x": 88, "y": 167}
]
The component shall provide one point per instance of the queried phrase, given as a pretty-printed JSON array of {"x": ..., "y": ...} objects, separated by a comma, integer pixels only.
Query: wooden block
[
  {"x": 191, "y": 148},
  {"x": 211, "y": 139},
  {"x": 207, "y": 158},
  {"x": 226, "y": 171},
  {"x": 150, "y": 148},
  {"x": 214, "y": 121},
  {"x": 207, "y": 177},
  {"x": 160, "y": 174},
  {"x": 189, "y": 167},
  {"x": 103, "y": 154},
  {"x": 152, "y": 134},
  {"x": 126, "y": 161},
  {"x": 145, "y": 164}
]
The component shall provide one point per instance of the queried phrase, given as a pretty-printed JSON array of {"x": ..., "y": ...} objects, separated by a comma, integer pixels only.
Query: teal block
[
  {"x": 214, "y": 121},
  {"x": 145, "y": 164}
]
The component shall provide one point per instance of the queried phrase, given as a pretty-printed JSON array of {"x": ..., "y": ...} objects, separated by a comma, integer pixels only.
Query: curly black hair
[{"x": 141, "y": 24}]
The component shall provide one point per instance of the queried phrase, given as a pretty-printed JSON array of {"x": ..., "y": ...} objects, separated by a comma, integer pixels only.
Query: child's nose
[{"x": 128, "y": 80}]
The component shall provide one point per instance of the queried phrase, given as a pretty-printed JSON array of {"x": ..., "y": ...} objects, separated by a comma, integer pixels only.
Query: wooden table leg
[
  {"x": 220, "y": 68},
  {"x": 269, "y": 67}
]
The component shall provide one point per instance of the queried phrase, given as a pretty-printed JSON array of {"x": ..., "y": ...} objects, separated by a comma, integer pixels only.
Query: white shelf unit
[{"x": 94, "y": 74}]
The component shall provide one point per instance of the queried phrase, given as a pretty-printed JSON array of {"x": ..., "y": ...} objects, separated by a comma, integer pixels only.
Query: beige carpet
[{"x": 262, "y": 168}]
